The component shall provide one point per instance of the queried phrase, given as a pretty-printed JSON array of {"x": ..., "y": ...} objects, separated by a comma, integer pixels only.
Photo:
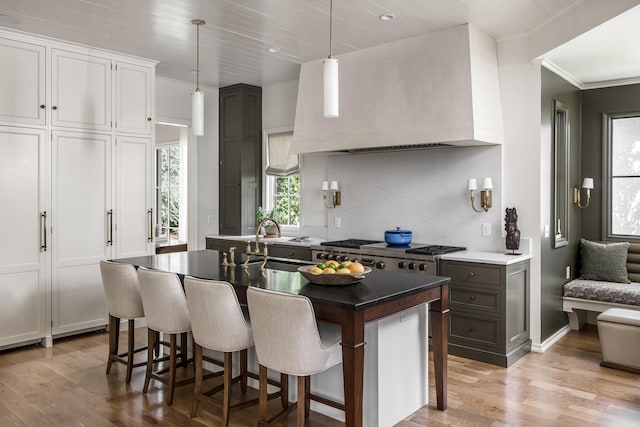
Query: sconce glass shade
[
  {"x": 487, "y": 183},
  {"x": 587, "y": 183},
  {"x": 330, "y": 81},
  {"x": 197, "y": 113},
  {"x": 333, "y": 186},
  {"x": 325, "y": 185},
  {"x": 472, "y": 184}
]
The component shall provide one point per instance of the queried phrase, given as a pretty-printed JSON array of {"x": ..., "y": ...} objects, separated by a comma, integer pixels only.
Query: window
[
  {"x": 168, "y": 193},
  {"x": 282, "y": 179},
  {"x": 622, "y": 174}
]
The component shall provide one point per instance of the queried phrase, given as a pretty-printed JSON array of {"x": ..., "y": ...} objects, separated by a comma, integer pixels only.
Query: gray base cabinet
[{"x": 489, "y": 318}]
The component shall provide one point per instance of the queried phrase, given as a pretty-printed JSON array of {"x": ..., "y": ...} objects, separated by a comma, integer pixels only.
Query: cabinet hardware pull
[
  {"x": 472, "y": 274},
  {"x": 54, "y": 107},
  {"x": 43, "y": 236},
  {"x": 148, "y": 119},
  {"x": 472, "y": 297},
  {"x": 150, "y": 235},
  {"x": 472, "y": 329},
  {"x": 42, "y": 105},
  {"x": 110, "y": 220}
]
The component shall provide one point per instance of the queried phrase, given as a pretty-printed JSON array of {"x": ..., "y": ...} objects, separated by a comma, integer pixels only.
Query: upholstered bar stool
[
  {"x": 219, "y": 323},
  {"x": 289, "y": 340},
  {"x": 165, "y": 307},
  {"x": 122, "y": 293}
]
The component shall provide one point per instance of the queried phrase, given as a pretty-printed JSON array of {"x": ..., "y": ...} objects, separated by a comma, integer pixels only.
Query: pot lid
[{"x": 398, "y": 231}]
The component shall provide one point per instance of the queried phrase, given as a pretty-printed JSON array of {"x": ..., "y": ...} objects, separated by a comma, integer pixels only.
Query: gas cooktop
[
  {"x": 413, "y": 248},
  {"x": 350, "y": 243}
]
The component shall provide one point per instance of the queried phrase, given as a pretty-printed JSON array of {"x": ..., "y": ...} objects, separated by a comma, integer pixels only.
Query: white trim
[
  {"x": 546, "y": 345},
  {"x": 562, "y": 73}
]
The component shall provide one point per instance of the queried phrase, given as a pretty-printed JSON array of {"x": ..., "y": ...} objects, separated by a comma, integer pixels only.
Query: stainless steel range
[{"x": 417, "y": 258}]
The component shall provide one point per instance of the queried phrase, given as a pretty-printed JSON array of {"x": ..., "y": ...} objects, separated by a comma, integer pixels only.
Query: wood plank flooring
[{"x": 66, "y": 386}]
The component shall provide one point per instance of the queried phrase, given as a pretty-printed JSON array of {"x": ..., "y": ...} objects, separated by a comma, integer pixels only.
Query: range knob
[
  {"x": 342, "y": 258},
  {"x": 380, "y": 265},
  {"x": 355, "y": 260},
  {"x": 402, "y": 264},
  {"x": 319, "y": 256},
  {"x": 412, "y": 266},
  {"x": 330, "y": 256},
  {"x": 423, "y": 267}
]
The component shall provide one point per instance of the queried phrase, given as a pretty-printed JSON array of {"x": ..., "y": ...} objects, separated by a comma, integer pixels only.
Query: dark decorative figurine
[{"x": 511, "y": 227}]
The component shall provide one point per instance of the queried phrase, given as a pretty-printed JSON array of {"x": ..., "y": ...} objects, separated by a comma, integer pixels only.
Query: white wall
[{"x": 173, "y": 105}]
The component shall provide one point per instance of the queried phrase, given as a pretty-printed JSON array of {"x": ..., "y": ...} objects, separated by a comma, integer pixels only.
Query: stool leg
[
  {"x": 152, "y": 339},
  {"x": 184, "y": 356},
  {"x": 243, "y": 371},
  {"x": 197, "y": 361},
  {"x": 307, "y": 391},
  {"x": 262, "y": 399},
  {"x": 172, "y": 368},
  {"x": 226, "y": 402},
  {"x": 284, "y": 390},
  {"x": 300, "y": 406},
  {"x": 130, "y": 349},
  {"x": 114, "y": 339}
]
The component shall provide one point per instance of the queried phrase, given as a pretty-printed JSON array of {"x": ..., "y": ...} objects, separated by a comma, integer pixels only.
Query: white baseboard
[{"x": 544, "y": 346}]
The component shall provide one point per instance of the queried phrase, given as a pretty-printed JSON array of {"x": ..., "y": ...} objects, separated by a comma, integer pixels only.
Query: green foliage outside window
[{"x": 287, "y": 200}]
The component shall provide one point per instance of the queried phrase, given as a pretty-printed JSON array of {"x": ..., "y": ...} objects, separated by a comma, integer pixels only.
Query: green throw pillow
[{"x": 604, "y": 261}]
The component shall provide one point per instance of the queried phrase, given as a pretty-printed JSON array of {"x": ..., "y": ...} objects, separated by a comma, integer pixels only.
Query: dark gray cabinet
[
  {"x": 240, "y": 140},
  {"x": 489, "y": 317}
]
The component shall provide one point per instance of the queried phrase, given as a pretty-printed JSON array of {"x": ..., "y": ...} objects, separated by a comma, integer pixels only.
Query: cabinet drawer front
[
  {"x": 471, "y": 273},
  {"x": 474, "y": 331},
  {"x": 303, "y": 254},
  {"x": 475, "y": 298}
]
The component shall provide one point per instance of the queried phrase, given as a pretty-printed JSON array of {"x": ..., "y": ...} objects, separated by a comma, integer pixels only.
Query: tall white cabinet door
[
  {"x": 23, "y": 280},
  {"x": 80, "y": 90},
  {"x": 22, "y": 83},
  {"x": 134, "y": 217},
  {"x": 133, "y": 98},
  {"x": 82, "y": 228}
]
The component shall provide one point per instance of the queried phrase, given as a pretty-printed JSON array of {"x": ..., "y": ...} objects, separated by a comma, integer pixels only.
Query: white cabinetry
[
  {"x": 22, "y": 87},
  {"x": 23, "y": 281},
  {"x": 82, "y": 224},
  {"x": 75, "y": 188},
  {"x": 133, "y": 97},
  {"x": 80, "y": 90}
]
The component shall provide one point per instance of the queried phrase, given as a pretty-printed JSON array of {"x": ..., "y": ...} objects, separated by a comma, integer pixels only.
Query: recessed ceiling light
[
  {"x": 386, "y": 17},
  {"x": 273, "y": 49}
]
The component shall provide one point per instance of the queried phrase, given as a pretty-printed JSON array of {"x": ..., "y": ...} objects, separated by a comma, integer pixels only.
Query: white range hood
[{"x": 440, "y": 88}]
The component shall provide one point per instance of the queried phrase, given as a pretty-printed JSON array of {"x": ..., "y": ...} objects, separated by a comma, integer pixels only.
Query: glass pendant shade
[
  {"x": 330, "y": 72},
  {"x": 197, "y": 113}
]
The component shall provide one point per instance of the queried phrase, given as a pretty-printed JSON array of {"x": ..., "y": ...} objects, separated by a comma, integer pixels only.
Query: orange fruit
[
  {"x": 356, "y": 267},
  {"x": 343, "y": 271},
  {"x": 329, "y": 270}
]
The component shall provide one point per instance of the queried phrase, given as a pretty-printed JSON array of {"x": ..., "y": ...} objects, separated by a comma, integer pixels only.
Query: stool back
[
  {"x": 165, "y": 304},
  {"x": 121, "y": 290},
  {"x": 217, "y": 320},
  {"x": 286, "y": 333}
]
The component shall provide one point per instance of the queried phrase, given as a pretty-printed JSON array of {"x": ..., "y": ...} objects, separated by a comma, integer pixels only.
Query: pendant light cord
[
  {"x": 197, "y": 57},
  {"x": 330, "y": 28}
]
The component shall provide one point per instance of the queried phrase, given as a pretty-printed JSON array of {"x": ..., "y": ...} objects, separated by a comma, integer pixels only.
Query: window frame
[
  {"x": 181, "y": 229},
  {"x": 607, "y": 176},
  {"x": 269, "y": 181}
]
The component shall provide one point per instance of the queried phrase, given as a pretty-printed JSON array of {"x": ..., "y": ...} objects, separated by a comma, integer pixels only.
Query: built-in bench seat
[{"x": 581, "y": 296}]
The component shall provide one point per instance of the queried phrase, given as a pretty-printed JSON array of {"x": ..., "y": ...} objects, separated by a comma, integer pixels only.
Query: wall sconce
[
  {"x": 587, "y": 184},
  {"x": 485, "y": 193},
  {"x": 335, "y": 193}
]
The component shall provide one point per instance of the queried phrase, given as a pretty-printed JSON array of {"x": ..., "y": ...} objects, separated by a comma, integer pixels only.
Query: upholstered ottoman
[{"x": 619, "y": 332}]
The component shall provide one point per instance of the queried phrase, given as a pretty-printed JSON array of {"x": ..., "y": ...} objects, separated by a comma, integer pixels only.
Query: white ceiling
[{"x": 237, "y": 33}]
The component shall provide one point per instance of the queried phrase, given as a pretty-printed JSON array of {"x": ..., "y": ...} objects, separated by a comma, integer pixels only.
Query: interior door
[
  {"x": 23, "y": 308},
  {"x": 82, "y": 228}
]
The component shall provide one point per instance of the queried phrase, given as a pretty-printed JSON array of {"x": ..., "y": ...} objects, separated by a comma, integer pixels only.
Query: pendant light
[
  {"x": 197, "y": 97},
  {"x": 330, "y": 75}
]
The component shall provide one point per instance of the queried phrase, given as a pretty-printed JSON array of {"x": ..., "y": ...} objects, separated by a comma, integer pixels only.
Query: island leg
[
  {"x": 439, "y": 318},
  {"x": 353, "y": 367}
]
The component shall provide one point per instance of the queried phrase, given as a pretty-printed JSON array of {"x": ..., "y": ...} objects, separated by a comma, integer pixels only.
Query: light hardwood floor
[{"x": 66, "y": 386}]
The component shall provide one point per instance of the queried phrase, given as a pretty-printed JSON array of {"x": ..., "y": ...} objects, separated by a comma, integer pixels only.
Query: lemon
[
  {"x": 356, "y": 267},
  {"x": 346, "y": 263},
  {"x": 315, "y": 270},
  {"x": 343, "y": 270},
  {"x": 321, "y": 266},
  {"x": 328, "y": 270}
]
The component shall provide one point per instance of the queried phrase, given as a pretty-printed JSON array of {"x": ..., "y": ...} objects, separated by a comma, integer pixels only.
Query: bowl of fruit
[{"x": 334, "y": 273}]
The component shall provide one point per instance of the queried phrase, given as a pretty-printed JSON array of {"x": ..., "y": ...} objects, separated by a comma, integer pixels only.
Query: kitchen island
[{"x": 378, "y": 295}]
